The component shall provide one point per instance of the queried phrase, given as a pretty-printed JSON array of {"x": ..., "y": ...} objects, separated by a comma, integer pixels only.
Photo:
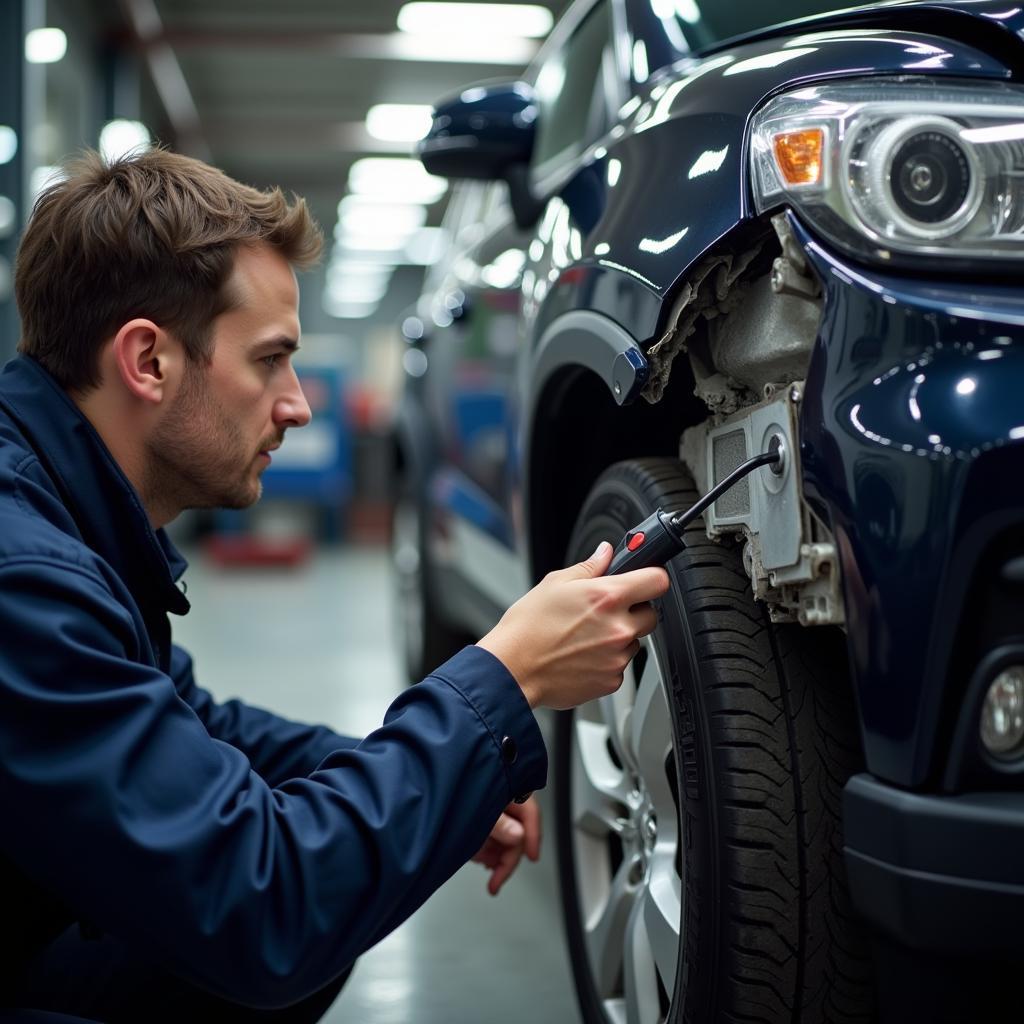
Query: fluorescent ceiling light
[
  {"x": 120, "y": 139},
  {"x": 370, "y": 218},
  {"x": 395, "y": 177},
  {"x": 354, "y": 209},
  {"x": 347, "y": 310},
  {"x": 371, "y": 199},
  {"x": 398, "y": 122},
  {"x": 340, "y": 253},
  {"x": 468, "y": 19},
  {"x": 457, "y": 48},
  {"x": 372, "y": 241},
  {"x": 8, "y": 217},
  {"x": 43, "y": 177},
  {"x": 357, "y": 290},
  {"x": 45, "y": 45},
  {"x": 345, "y": 283},
  {"x": 341, "y": 267},
  {"x": 421, "y": 249},
  {"x": 8, "y": 143}
]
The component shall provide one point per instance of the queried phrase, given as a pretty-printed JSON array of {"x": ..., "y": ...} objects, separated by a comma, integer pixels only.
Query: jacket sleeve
[
  {"x": 117, "y": 799},
  {"x": 277, "y": 748}
]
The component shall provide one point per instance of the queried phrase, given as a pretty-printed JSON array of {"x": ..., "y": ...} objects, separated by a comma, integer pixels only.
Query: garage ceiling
[{"x": 276, "y": 92}]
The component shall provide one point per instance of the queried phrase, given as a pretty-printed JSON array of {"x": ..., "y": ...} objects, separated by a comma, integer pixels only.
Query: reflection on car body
[{"x": 669, "y": 244}]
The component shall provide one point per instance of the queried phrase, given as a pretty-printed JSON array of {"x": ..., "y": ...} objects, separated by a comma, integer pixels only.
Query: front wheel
[{"x": 698, "y": 808}]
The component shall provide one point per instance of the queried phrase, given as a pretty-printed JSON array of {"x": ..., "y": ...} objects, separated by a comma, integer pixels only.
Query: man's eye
[{"x": 273, "y": 360}]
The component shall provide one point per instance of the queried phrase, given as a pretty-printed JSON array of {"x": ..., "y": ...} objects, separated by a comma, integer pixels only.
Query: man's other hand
[
  {"x": 516, "y": 832},
  {"x": 570, "y": 639}
]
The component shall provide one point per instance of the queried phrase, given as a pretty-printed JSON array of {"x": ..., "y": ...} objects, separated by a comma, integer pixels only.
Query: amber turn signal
[{"x": 799, "y": 155}]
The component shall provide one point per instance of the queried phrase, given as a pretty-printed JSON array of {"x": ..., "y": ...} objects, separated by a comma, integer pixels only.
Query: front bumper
[
  {"x": 912, "y": 452},
  {"x": 941, "y": 874}
]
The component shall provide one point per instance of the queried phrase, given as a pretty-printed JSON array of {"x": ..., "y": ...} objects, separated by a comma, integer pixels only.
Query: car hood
[{"x": 996, "y": 23}]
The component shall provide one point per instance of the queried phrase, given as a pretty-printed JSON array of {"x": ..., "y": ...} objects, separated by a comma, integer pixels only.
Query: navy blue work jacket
[{"x": 251, "y": 855}]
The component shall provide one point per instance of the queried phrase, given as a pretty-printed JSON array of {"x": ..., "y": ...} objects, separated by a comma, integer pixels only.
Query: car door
[
  {"x": 478, "y": 316},
  {"x": 473, "y": 316}
]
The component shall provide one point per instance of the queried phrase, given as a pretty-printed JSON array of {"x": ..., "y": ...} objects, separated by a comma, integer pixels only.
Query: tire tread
[{"x": 780, "y": 712}]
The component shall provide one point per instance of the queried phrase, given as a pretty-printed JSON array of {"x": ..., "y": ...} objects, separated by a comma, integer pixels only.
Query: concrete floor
[{"x": 316, "y": 644}]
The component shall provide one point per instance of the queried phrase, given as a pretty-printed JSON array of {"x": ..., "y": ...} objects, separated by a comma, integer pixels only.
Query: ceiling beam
[{"x": 148, "y": 34}]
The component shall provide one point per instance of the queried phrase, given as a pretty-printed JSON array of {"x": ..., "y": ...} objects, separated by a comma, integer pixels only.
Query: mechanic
[{"x": 165, "y": 857}]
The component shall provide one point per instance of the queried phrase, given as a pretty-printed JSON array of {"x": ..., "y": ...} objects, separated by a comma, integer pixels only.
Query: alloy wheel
[{"x": 625, "y": 839}]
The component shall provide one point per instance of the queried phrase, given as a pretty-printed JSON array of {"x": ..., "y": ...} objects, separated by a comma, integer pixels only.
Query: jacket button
[{"x": 509, "y": 750}]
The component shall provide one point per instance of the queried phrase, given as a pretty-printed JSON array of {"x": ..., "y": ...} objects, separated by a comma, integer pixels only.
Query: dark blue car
[{"x": 686, "y": 237}]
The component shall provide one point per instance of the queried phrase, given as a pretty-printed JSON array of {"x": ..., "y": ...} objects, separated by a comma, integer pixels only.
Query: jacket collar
[{"x": 105, "y": 506}]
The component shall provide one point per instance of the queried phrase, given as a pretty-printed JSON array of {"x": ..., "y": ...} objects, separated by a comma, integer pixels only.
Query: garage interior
[
  {"x": 700, "y": 244},
  {"x": 278, "y": 93}
]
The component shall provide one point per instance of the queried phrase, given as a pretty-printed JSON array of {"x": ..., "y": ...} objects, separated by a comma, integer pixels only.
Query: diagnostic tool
[{"x": 660, "y": 536}]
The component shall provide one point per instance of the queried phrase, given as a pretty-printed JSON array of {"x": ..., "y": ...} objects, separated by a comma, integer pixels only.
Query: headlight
[{"x": 898, "y": 167}]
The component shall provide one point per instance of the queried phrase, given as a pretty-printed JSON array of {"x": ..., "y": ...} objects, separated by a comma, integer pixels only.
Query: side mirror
[{"x": 486, "y": 132}]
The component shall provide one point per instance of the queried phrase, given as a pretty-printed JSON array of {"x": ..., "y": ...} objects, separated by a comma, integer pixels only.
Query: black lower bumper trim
[{"x": 937, "y": 873}]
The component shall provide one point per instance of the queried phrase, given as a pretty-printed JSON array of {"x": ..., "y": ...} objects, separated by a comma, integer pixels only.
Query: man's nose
[{"x": 291, "y": 409}]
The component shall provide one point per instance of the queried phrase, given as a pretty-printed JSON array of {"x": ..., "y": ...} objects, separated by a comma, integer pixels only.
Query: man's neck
[{"x": 124, "y": 437}]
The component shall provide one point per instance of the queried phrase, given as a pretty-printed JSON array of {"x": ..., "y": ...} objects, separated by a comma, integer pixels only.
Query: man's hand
[
  {"x": 516, "y": 832},
  {"x": 570, "y": 639}
]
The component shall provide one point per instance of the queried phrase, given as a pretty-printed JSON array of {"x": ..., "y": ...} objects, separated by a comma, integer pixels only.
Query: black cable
[
  {"x": 681, "y": 519},
  {"x": 660, "y": 537}
]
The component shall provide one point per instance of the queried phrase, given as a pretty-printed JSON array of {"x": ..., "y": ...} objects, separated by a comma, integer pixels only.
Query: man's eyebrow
[{"x": 282, "y": 341}]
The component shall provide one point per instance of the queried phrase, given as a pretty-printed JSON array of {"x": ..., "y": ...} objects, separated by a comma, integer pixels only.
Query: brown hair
[{"x": 150, "y": 235}]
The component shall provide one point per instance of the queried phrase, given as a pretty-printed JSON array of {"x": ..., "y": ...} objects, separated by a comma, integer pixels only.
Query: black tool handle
[
  {"x": 652, "y": 542},
  {"x": 660, "y": 536}
]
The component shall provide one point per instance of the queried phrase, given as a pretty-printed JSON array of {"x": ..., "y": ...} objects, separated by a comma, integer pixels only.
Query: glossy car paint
[
  {"x": 667, "y": 181},
  {"x": 901, "y": 641},
  {"x": 624, "y": 224},
  {"x": 913, "y": 449},
  {"x": 470, "y": 346}
]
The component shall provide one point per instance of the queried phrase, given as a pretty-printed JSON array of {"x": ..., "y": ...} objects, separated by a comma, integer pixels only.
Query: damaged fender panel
[
  {"x": 748, "y": 363},
  {"x": 710, "y": 290}
]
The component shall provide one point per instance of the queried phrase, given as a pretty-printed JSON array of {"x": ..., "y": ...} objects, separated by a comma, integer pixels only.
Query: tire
[
  {"x": 427, "y": 640},
  {"x": 698, "y": 809}
]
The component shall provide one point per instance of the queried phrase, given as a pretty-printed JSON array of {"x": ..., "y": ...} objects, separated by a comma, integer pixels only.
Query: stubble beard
[{"x": 197, "y": 457}]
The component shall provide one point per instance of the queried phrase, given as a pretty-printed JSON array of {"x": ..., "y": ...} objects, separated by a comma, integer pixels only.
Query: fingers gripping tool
[{"x": 660, "y": 536}]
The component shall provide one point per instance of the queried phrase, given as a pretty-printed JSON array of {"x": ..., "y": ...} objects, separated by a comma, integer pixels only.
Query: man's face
[{"x": 215, "y": 440}]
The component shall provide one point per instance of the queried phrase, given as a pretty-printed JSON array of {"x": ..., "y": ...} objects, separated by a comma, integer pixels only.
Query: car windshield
[{"x": 710, "y": 21}]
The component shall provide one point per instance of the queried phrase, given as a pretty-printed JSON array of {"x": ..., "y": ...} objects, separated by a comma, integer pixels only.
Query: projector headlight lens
[{"x": 905, "y": 168}]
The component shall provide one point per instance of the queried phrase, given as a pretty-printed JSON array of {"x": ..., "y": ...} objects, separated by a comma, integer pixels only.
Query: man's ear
[{"x": 148, "y": 360}]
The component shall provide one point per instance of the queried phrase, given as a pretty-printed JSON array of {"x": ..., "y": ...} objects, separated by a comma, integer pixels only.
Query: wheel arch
[{"x": 577, "y": 430}]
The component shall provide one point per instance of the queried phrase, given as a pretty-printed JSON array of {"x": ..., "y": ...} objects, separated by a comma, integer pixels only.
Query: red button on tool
[{"x": 635, "y": 541}]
